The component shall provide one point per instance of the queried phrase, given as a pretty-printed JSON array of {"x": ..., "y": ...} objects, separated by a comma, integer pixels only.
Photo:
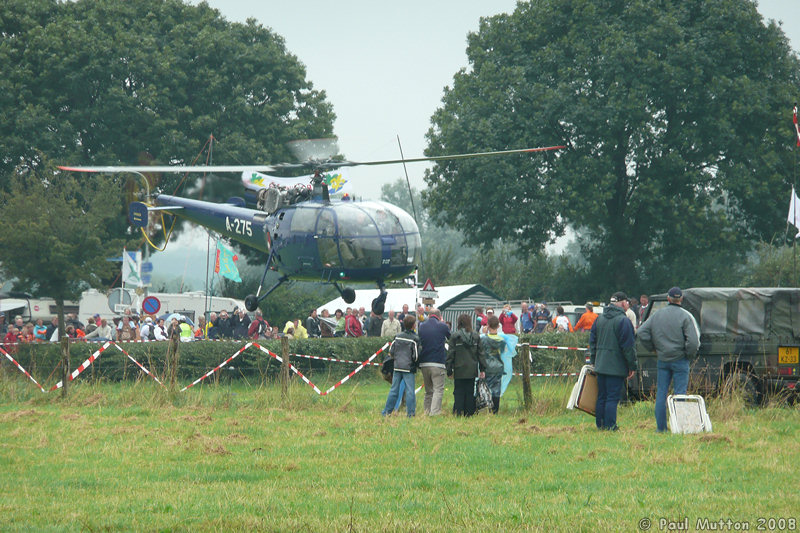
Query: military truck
[{"x": 749, "y": 335}]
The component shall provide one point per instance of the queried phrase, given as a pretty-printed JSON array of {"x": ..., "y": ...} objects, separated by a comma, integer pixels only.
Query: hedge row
[{"x": 196, "y": 358}]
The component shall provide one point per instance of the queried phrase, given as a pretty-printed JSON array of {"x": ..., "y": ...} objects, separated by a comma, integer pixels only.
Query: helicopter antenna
[{"x": 411, "y": 197}]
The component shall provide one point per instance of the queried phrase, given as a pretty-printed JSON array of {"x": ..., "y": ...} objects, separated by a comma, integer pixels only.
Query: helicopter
[{"x": 307, "y": 234}]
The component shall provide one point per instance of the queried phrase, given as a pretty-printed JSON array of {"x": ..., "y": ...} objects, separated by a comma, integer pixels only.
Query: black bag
[
  {"x": 387, "y": 369},
  {"x": 483, "y": 396}
]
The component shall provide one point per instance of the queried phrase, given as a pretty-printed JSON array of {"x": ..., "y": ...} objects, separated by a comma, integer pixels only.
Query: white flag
[{"x": 132, "y": 267}]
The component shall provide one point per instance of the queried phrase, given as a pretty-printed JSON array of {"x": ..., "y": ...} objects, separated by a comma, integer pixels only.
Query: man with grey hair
[
  {"x": 391, "y": 326},
  {"x": 673, "y": 334},
  {"x": 432, "y": 334}
]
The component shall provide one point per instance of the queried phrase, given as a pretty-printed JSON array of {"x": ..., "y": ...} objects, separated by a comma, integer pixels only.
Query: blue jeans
[
  {"x": 609, "y": 389},
  {"x": 678, "y": 373},
  {"x": 406, "y": 378}
]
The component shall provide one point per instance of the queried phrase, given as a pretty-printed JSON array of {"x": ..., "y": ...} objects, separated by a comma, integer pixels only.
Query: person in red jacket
[
  {"x": 508, "y": 320},
  {"x": 352, "y": 325}
]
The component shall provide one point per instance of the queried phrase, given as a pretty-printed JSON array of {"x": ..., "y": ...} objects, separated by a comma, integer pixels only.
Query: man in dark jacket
[
  {"x": 224, "y": 326},
  {"x": 405, "y": 352},
  {"x": 432, "y": 334},
  {"x": 673, "y": 334},
  {"x": 612, "y": 351}
]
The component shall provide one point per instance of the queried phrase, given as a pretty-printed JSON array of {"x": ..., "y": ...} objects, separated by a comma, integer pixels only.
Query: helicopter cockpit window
[
  {"x": 326, "y": 232},
  {"x": 304, "y": 219},
  {"x": 359, "y": 242}
]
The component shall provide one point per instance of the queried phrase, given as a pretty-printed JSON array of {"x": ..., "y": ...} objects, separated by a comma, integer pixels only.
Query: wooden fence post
[
  {"x": 285, "y": 368},
  {"x": 65, "y": 362},
  {"x": 526, "y": 377}
]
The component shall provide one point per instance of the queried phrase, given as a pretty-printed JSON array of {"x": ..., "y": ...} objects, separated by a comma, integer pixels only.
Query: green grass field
[{"x": 117, "y": 456}]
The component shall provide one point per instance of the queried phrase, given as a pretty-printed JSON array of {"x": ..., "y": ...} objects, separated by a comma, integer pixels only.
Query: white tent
[{"x": 457, "y": 298}]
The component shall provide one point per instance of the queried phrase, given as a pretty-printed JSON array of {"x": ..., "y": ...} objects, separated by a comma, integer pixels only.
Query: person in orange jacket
[{"x": 587, "y": 319}]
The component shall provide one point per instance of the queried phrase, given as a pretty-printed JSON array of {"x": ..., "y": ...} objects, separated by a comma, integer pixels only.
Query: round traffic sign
[{"x": 151, "y": 305}]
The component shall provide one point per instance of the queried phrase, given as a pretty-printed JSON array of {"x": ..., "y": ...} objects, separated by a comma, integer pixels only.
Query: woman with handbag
[{"x": 464, "y": 363}]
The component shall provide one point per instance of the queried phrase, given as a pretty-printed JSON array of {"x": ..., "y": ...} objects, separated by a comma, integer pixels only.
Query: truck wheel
[{"x": 746, "y": 384}]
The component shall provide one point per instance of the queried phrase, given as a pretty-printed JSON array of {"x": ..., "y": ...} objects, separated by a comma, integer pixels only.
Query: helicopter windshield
[{"x": 360, "y": 234}]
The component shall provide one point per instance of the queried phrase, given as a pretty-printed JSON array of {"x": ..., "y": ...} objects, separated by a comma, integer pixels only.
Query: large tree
[
  {"x": 675, "y": 119},
  {"x": 128, "y": 82}
]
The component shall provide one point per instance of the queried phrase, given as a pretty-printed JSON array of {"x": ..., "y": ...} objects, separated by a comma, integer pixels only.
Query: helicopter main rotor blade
[
  {"x": 172, "y": 168},
  {"x": 447, "y": 157}
]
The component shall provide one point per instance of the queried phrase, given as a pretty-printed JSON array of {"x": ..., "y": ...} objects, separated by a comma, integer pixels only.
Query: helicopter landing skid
[{"x": 251, "y": 301}]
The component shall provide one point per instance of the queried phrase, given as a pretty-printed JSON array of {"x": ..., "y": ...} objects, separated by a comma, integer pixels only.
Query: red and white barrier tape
[
  {"x": 21, "y": 369},
  {"x": 138, "y": 364},
  {"x": 319, "y": 358},
  {"x": 83, "y": 366},
  {"x": 225, "y": 362},
  {"x": 545, "y": 347}
]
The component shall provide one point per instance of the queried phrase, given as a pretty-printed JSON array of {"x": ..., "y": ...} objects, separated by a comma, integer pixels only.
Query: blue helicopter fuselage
[{"x": 316, "y": 240}]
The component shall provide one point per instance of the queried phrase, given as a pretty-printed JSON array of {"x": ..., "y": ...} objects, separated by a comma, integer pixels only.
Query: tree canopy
[
  {"x": 676, "y": 117},
  {"x": 56, "y": 236},
  {"x": 117, "y": 82}
]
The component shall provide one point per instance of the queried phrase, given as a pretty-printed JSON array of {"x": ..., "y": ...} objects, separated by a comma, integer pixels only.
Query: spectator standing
[
  {"x": 313, "y": 325},
  {"x": 587, "y": 319},
  {"x": 325, "y": 329},
  {"x": 91, "y": 325},
  {"x": 405, "y": 350},
  {"x": 300, "y": 332},
  {"x": 241, "y": 324},
  {"x": 186, "y": 333},
  {"x": 561, "y": 321},
  {"x": 493, "y": 345},
  {"x": 508, "y": 320},
  {"x": 433, "y": 333},
  {"x": 527, "y": 319},
  {"x": 353, "y": 325},
  {"x": 464, "y": 364},
  {"x": 630, "y": 314},
  {"x": 485, "y": 323},
  {"x": 11, "y": 340},
  {"x": 147, "y": 331},
  {"x": 612, "y": 351},
  {"x": 542, "y": 317},
  {"x": 480, "y": 318},
  {"x": 26, "y": 334},
  {"x": 391, "y": 326},
  {"x": 224, "y": 326},
  {"x": 3, "y": 325},
  {"x": 40, "y": 330},
  {"x": 103, "y": 332},
  {"x": 199, "y": 330},
  {"x": 375, "y": 325},
  {"x": 341, "y": 324},
  {"x": 160, "y": 330},
  {"x": 212, "y": 331},
  {"x": 259, "y": 327},
  {"x": 675, "y": 337},
  {"x": 52, "y": 328},
  {"x": 403, "y": 313},
  {"x": 126, "y": 330},
  {"x": 644, "y": 302}
]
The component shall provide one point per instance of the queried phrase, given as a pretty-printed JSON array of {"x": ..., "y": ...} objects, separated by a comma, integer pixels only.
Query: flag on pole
[
  {"x": 796, "y": 126},
  {"x": 226, "y": 263},
  {"x": 132, "y": 267},
  {"x": 794, "y": 211}
]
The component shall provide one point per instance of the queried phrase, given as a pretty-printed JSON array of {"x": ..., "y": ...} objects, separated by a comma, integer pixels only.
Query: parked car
[{"x": 750, "y": 335}]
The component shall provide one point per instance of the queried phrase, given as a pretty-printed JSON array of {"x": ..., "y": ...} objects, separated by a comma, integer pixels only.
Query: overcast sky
[{"x": 383, "y": 65}]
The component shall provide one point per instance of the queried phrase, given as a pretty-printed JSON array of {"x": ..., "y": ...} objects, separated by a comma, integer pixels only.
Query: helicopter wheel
[
  {"x": 251, "y": 302},
  {"x": 348, "y": 295}
]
